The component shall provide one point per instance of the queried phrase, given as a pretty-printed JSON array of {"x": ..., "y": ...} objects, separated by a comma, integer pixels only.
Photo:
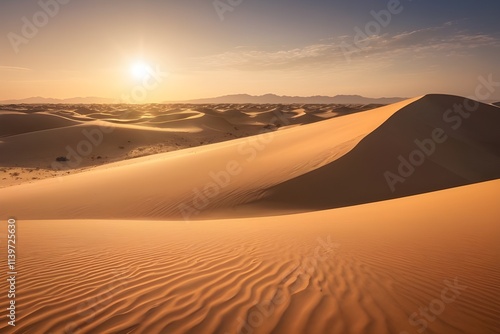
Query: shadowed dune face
[{"x": 435, "y": 143}]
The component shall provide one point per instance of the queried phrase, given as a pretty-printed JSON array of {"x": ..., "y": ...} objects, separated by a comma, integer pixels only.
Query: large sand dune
[
  {"x": 333, "y": 163},
  {"x": 363, "y": 269},
  {"x": 288, "y": 225},
  {"x": 421, "y": 148},
  {"x": 169, "y": 185}
]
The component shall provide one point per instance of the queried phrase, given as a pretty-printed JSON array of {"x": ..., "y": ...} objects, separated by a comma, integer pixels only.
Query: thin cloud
[
  {"x": 343, "y": 49},
  {"x": 13, "y": 68}
]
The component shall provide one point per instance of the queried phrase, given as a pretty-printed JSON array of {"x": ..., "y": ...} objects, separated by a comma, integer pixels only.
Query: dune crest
[
  {"x": 338, "y": 162},
  {"x": 182, "y": 184},
  {"x": 434, "y": 143}
]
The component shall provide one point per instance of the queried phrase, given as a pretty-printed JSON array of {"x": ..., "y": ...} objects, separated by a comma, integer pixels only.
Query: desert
[
  {"x": 249, "y": 167},
  {"x": 301, "y": 233}
]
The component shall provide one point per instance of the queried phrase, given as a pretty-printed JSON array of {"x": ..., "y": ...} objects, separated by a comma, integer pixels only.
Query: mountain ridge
[
  {"x": 285, "y": 99},
  {"x": 228, "y": 99},
  {"x": 231, "y": 99}
]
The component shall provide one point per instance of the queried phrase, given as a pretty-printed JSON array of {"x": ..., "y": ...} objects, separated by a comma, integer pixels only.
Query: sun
[{"x": 140, "y": 70}]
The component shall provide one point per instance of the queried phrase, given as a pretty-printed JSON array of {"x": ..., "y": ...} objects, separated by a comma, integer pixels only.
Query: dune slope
[
  {"x": 190, "y": 183},
  {"x": 364, "y": 269},
  {"x": 333, "y": 163},
  {"x": 434, "y": 143},
  {"x": 14, "y": 122},
  {"x": 34, "y": 136}
]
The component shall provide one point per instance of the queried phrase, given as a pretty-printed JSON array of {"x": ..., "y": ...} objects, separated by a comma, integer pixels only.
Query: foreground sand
[
  {"x": 255, "y": 235},
  {"x": 362, "y": 269}
]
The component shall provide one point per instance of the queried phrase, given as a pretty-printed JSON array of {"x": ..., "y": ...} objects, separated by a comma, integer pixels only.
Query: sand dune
[
  {"x": 14, "y": 123},
  {"x": 328, "y": 164},
  {"x": 290, "y": 228},
  {"x": 167, "y": 185},
  {"x": 467, "y": 150},
  {"x": 364, "y": 269},
  {"x": 34, "y": 136}
]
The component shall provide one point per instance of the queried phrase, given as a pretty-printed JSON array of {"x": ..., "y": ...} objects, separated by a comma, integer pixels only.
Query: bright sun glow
[{"x": 140, "y": 70}]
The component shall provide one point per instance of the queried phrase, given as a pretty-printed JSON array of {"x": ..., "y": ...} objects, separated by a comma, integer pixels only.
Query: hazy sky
[{"x": 202, "y": 48}]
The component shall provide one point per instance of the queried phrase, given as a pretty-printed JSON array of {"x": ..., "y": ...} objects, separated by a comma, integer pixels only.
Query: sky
[{"x": 170, "y": 50}]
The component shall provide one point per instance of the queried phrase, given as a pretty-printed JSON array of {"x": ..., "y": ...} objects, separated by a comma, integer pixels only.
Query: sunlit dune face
[{"x": 140, "y": 70}]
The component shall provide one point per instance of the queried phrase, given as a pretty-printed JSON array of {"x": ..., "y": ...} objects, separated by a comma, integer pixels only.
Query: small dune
[{"x": 14, "y": 123}]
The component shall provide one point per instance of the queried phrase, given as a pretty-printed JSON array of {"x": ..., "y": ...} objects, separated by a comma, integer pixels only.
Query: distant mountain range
[
  {"x": 276, "y": 99},
  {"x": 236, "y": 99},
  {"x": 233, "y": 99}
]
